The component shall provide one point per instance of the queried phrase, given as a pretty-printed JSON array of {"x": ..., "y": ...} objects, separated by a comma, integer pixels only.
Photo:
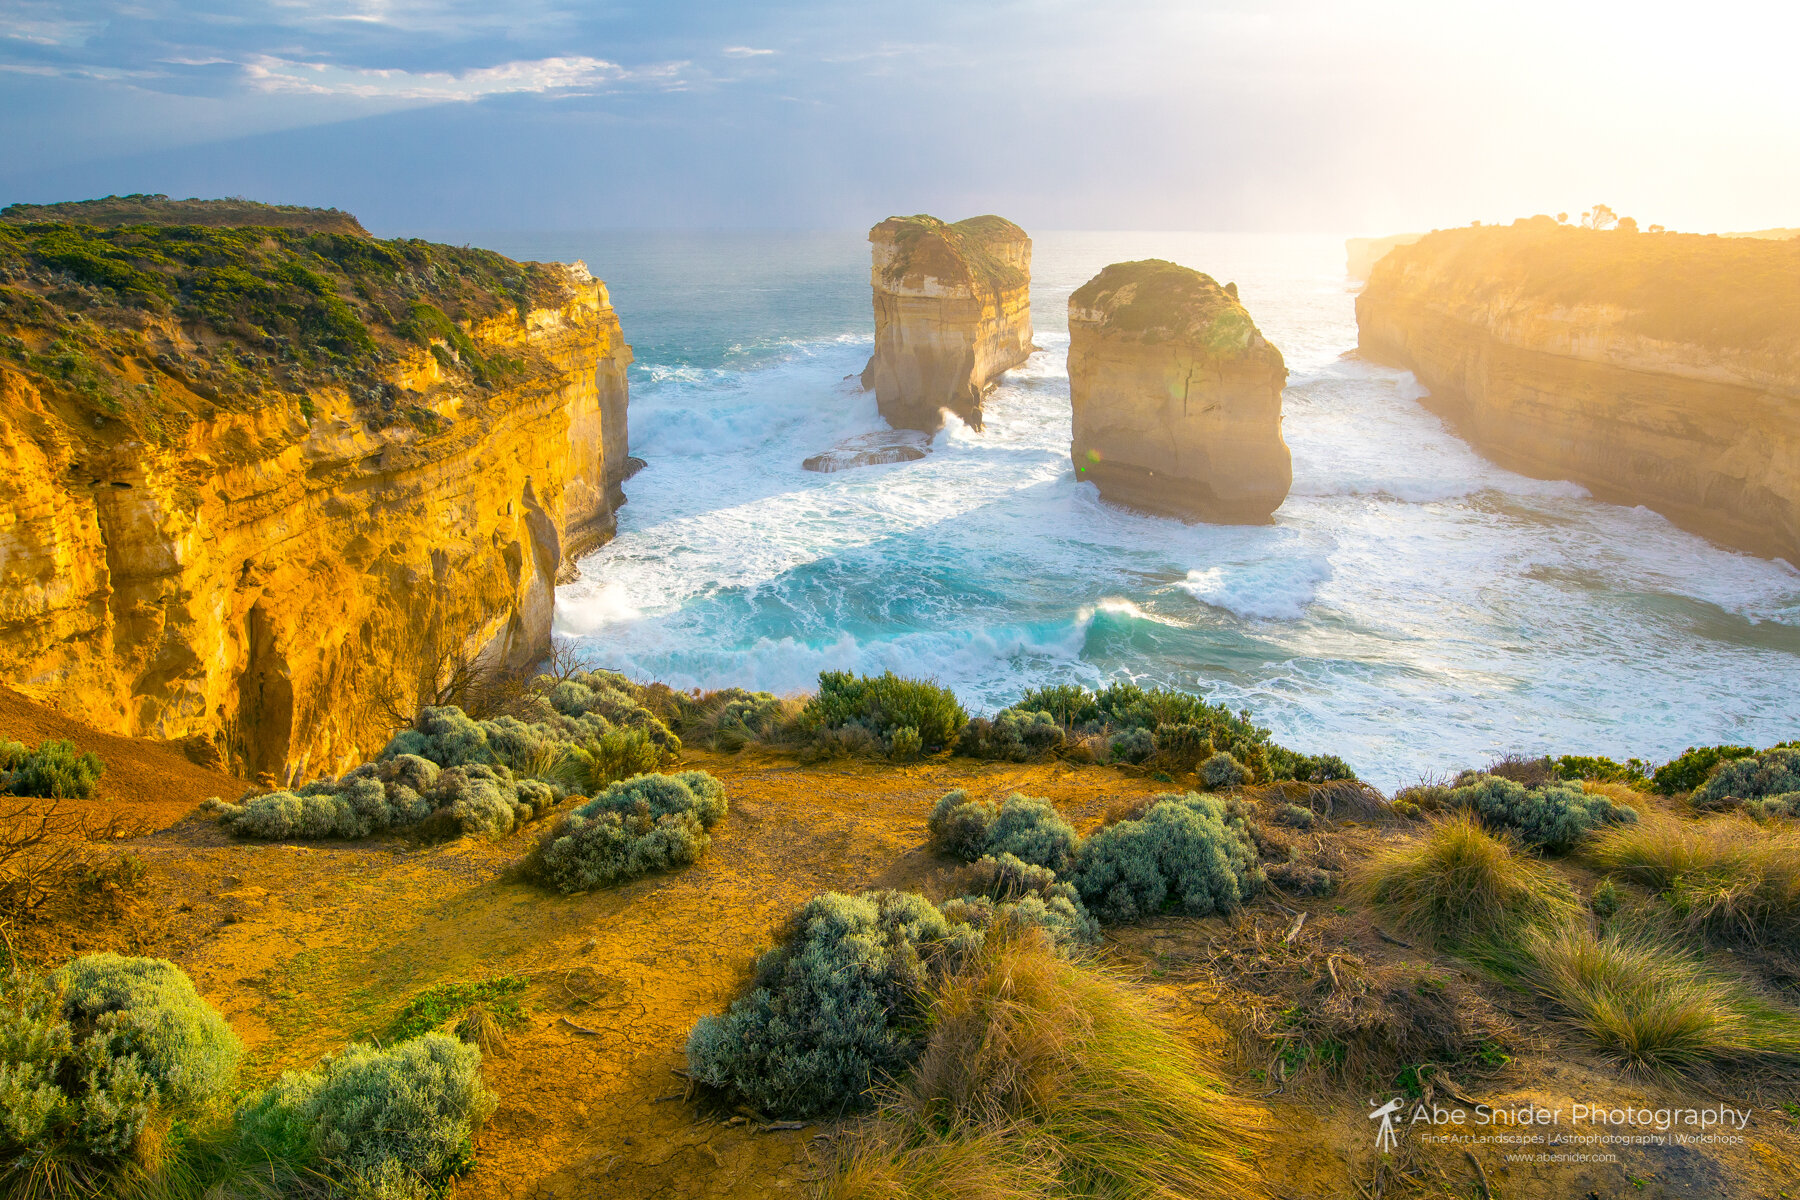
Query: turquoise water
[{"x": 1413, "y": 607}]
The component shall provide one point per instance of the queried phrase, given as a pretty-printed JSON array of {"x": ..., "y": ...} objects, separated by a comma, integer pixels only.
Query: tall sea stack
[
  {"x": 952, "y": 313},
  {"x": 1177, "y": 396},
  {"x": 1659, "y": 369}
]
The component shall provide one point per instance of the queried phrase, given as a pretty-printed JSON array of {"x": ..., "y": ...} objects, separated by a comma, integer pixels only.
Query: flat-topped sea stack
[
  {"x": 266, "y": 488},
  {"x": 1659, "y": 369},
  {"x": 952, "y": 313},
  {"x": 1177, "y": 396}
]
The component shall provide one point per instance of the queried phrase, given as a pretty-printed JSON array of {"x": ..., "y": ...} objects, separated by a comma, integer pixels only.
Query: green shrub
[
  {"x": 609, "y": 758},
  {"x": 1011, "y": 735},
  {"x": 442, "y": 1002},
  {"x": 885, "y": 704},
  {"x": 1005, "y": 888},
  {"x": 1295, "y": 817},
  {"x": 1182, "y": 747},
  {"x": 959, "y": 826},
  {"x": 1771, "y": 774},
  {"x": 648, "y": 823},
  {"x": 1553, "y": 816},
  {"x": 386, "y": 1121},
  {"x": 94, "y": 1053},
  {"x": 906, "y": 744},
  {"x": 835, "y": 1007},
  {"x": 1631, "y": 773},
  {"x": 1689, "y": 771},
  {"x": 1193, "y": 854},
  {"x": 731, "y": 719},
  {"x": 1223, "y": 771},
  {"x": 1131, "y": 745},
  {"x": 55, "y": 770}
]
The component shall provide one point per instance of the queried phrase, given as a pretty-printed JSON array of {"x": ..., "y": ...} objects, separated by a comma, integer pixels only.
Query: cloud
[
  {"x": 744, "y": 52},
  {"x": 578, "y": 72}
]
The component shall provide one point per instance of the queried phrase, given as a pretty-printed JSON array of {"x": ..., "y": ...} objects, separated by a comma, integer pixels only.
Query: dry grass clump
[
  {"x": 1048, "y": 1079},
  {"x": 1649, "y": 1005},
  {"x": 1460, "y": 883},
  {"x": 1724, "y": 875}
]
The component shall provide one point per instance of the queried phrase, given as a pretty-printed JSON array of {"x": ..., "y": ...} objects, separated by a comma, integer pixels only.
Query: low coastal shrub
[
  {"x": 97, "y": 1060},
  {"x": 733, "y": 718},
  {"x": 1044, "y": 1079},
  {"x": 1458, "y": 884},
  {"x": 837, "y": 1005},
  {"x": 1766, "y": 784},
  {"x": 1026, "y": 827},
  {"x": 55, "y": 770},
  {"x": 1011, "y": 735},
  {"x": 1223, "y": 771},
  {"x": 436, "y": 1006},
  {"x": 1553, "y": 816},
  {"x": 620, "y": 754},
  {"x": 884, "y": 707},
  {"x": 1724, "y": 876},
  {"x": 647, "y": 823},
  {"x": 386, "y": 1122},
  {"x": 1192, "y": 854},
  {"x": 1690, "y": 769},
  {"x": 1004, "y": 888},
  {"x": 1649, "y": 1005},
  {"x": 1633, "y": 773}
]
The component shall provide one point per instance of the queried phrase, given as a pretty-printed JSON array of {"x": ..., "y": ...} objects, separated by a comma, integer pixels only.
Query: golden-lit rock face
[
  {"x": 1654, "y": 369},
  {"x": 1177, "y": 396},
  {"x": 272, "y": 580},
  {"x": 952, "y": 313},
  {"x": 1361, "y": 254}
]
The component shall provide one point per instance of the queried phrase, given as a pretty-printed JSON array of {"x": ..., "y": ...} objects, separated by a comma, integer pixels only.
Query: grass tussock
[
  {"x": 1727, "y": 876},
  {"x": 1649, "y": 1005},
  {"x": 1459, "y": 883},
  {"x": 1047, "y": 1078}
]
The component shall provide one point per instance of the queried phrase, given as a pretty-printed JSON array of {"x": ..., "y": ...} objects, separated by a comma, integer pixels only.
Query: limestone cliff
[
  {"x": 1656, "y": 369},
  {"x": 1177, "y": 396},
  {"x": 268, "y": 486},
  {"x": 1361, "y": 254},
  {"x": 952, "y": 313}
]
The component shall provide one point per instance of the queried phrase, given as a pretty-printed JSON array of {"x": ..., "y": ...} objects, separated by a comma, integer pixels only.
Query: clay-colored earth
[{"x": 304, "y": 948}]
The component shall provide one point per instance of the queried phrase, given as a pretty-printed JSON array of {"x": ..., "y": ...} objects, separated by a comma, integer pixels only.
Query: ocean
[{"x": 1412, "y": 608}]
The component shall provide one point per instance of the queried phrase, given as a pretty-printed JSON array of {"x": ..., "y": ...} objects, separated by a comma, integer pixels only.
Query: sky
[{"x": 1348, "y": 116}]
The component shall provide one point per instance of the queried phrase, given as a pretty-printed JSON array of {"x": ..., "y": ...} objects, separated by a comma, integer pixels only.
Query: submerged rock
[
  {"x": 1177, "y": 396},
  {"x": 871, "y": 449},
  {"x": 952, "y": 312}
]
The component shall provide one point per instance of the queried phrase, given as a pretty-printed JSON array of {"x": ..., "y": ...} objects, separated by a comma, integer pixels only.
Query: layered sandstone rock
[
  {"x": 190, "y": 545},
  {"x": 1177, "y": 396},
  {"x": 952, "y": 313},
  {"x": 1361, "y": 254},
  {"x": 1655, "y": 369}
]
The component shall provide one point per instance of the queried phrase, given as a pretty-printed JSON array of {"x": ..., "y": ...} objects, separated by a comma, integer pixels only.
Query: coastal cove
[{"x": 1411, "y": 605}]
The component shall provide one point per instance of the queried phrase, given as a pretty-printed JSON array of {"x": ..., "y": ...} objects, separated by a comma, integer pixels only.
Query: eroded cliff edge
[
  {"x": 266, "y": 487},
  {"x": 952, "y": 313},
  {"x": 1177, "y": 396},
  {"x": 1655, "y": 369}
]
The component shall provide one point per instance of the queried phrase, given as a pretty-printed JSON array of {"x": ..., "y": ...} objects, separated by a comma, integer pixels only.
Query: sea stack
[
  {"x": 1177, "y": 396},
  {"x": 952, "y": 313},
  {"x": 1660, "y": 369}
]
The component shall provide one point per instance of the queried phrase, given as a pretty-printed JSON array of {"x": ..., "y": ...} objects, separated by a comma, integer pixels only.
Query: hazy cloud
[{"x": 272, "y": 74}]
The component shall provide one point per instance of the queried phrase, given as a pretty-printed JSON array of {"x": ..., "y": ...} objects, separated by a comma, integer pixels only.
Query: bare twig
[
  {"x": 1391, "y": 940},
  {"x": 1480, "y": 1175},
  {"x": 1294, "y": 930},
  {"x": 579, "y": 1028}
]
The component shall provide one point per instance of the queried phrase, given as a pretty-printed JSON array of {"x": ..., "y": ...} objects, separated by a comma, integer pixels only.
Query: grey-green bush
[
  {"x": 649, "y": 823},
  {"x": 1192, "y": 854},
  {"x": 1025, "y": 826},
  {"x": 834, "y": 1007},
  {"x": 1773, "y": 773},
  {"x": 1221, "y": 770},
  {"x": 1182, "y": 746},
  {"x": 1011, "y": 735},
  {"x": 1133, "y": 745},
  {"x": 90, "y": 1053},
  {"x": 959, "y": 825},
  {"x": 1553, "y": 816},
  {"x": 376, "y": 1119},
  {"x": 1004, "y": 886},
  {"x": 56, "y": 770}
]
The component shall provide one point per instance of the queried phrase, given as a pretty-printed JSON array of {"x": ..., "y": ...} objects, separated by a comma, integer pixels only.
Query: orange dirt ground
[{"x": 306, "y": 947}]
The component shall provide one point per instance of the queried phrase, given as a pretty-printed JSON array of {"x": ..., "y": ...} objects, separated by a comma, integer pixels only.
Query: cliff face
[
  {"x": 1361, "y": 254},
  {"x": 952, "y": 313},
  {"x": 1655, "y": 369},
  {"x": 208, "y": 527},
  {"x": 1177, "y": 396}
]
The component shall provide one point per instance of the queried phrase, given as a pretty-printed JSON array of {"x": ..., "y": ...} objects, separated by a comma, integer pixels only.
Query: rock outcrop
[
  {"x": 1655, "y": 369},
  {"x": 269, "y": 487},
  {"x": 952, "y": 313},
  {"x": 1177, "y": 396},
  {"x": 1361, "y": 254},
  {"x": 871, "y": 450}
]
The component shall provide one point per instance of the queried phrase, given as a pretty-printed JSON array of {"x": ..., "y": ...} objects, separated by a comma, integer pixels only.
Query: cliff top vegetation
[
  {"x": 1740, "y": 293},
  {"x": 924, "y": 246},
  {"x": 143, "y": 208},
  {"x": 152, "y": 324},
  {"x": 1154, "y": 300}
]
